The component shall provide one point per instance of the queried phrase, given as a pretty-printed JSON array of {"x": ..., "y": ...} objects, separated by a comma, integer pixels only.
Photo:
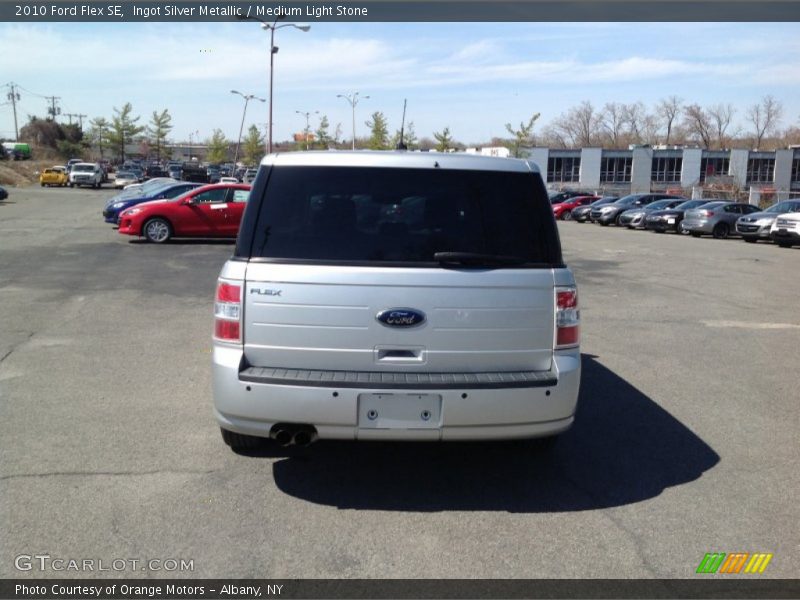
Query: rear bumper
[
  {"x": 698, "y": 225},
  {"x": 467, "y": 413}
]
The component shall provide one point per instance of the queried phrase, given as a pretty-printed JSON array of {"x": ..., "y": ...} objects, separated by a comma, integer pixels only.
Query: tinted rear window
[{"x": 393, "y": 215}]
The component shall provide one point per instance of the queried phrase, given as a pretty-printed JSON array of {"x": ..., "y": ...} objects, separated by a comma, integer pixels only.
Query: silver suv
[{"x": 395, "y": 296}]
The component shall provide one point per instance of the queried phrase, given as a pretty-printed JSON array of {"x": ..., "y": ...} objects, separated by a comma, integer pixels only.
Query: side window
[
  {"x": 238, "y": 195},
  {"x": 174, "y": 192},
  {"x": 211, "y": 196},
  {"x": 750, "y": 209},
  {"x": 733, "y": 208}
]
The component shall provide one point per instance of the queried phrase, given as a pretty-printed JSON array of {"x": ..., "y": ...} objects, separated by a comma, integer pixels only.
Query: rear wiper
[{"x": 476, "y": 259}]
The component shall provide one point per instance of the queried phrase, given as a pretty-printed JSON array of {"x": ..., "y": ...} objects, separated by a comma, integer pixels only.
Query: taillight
[
  {"x": 228, "y": 312},
  {"x": 568, "y": 318},
  {"x": 708, "y": 213}
]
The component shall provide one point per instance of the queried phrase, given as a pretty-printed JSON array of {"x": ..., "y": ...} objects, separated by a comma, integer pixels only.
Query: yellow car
[{"x": 54, "y": 176}]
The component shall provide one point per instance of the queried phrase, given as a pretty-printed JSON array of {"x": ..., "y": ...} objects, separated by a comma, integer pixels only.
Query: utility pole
[
  {"x": 13, "y": 95},
  {"x": 53, "y": 110},
  {"x": 80, "y": 120},
  {"x": 69, "y": 116}
]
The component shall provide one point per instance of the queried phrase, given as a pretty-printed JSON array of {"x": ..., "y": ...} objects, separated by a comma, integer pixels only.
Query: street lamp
[
  {"x": 271, "y": 27},
  {"x": 306, "y": 115},
  {"x": 353, "y": 100},
  {"x": 192, "y": 134},
  {"x": 247, "y": 99}
]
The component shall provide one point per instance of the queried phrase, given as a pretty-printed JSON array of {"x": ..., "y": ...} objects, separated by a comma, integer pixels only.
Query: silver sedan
[{"x": 715, "y": 218}]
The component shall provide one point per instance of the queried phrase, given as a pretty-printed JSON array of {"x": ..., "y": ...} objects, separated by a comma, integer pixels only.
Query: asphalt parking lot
[{"x": 685, "y": 440}]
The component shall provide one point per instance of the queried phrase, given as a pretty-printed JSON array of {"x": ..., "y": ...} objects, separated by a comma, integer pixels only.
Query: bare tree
[
  {"x": 612, "y": 122},
  {"x": 669, "y": 109},
  {"x": 635, "y": 116},
  {"x": 552, "y": 138},
  {"x": 764, "y": 117},
  {"x": 698, "y": 124},
  {"x": 721, "y": 116},
  {"x": 649, "y": 128},
  {"x": 579, "y": 125}
]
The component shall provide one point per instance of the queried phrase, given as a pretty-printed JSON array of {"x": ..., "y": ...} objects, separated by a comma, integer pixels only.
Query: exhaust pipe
[
  {"x": 287, "y": 434},
  {"x": 304, "y": 438},
  {"x": 283, "y": 437}
]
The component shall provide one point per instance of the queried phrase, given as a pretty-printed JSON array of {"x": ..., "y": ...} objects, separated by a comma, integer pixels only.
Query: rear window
[{"x": 401, "y": 216}]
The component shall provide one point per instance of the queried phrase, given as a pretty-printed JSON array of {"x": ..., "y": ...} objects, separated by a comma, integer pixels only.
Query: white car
[
  {"x": 90, "y": 174},
  {"x": 395, "y": 296},
  {"x": 228, "y": 180},
  {"x": 786, "y": 230},
  {"x": 123, "y": 179}
]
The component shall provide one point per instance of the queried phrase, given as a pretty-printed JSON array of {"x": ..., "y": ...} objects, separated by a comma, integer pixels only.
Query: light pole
[
  {"x": 353, "y": 100},
  {"x": 247, "y": 99},
  {"x": 306, "y": 115},
  {"x": 192, "y": 134},
  {"x": 273, "y": 50}
]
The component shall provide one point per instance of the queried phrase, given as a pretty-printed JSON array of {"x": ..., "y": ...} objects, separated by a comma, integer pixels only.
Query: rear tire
[
  {"x": 721, "y": 231},
  {"x": 566, "y": 215},
  {"x": 240, "y": 443},
  {"x": 618, "y": 220},
  {"x": 157, "y": 230}
]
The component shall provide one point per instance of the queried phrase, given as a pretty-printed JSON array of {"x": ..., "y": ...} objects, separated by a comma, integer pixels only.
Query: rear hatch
[
  {"x": 470, "y": 253},
  {"x": 325, "y": 317}
]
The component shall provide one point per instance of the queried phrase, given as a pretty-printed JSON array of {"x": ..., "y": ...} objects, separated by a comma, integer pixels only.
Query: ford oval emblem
[{"x": 401, "y": 317}]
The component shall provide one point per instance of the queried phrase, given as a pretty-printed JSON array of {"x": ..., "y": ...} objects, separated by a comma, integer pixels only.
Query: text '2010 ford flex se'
[{"x": 395, "y": 296}]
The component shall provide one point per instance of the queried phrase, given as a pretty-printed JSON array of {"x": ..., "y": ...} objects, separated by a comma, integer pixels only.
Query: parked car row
[
  {"x": 75, "y": 173},
  {"x": 161, "y": 210},
  {"x": 663, "y": 212}
]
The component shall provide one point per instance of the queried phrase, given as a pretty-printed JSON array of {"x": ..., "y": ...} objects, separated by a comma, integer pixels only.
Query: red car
[
  {"x": 563, "y": 210},
  {"x": 206, "y": 211}
]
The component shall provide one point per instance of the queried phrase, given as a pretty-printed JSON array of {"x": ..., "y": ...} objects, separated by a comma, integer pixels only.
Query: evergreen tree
[
  {"x": 323, "y": 137},
  {"x": 217, "y": 147},
  {"x": 444, "y": 141},
  {"x": 98, "y": 133},
  {"x": 379, "y": 132},
  {"x": 159, "y": 128},
  {"x": 252, "y": 146},
  {"x": 522, "y": 136},
  {"x": 123, "y": 129}
]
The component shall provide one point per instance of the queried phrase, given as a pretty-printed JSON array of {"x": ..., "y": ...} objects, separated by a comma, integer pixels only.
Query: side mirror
[{"x": 187, "y": 201}]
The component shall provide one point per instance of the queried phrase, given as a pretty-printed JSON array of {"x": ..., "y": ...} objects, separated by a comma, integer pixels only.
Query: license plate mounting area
[{"x": 399, "y": 411}]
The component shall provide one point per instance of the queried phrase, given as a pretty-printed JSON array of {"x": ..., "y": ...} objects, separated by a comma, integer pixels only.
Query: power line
[{"x": 30, "y": 92}]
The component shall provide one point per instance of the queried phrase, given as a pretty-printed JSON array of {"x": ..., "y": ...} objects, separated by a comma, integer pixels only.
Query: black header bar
[{"x": 118, "y": 11}]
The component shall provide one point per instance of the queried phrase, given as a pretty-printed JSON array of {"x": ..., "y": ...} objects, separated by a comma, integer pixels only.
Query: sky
[{"x": 471, "y": 77}]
